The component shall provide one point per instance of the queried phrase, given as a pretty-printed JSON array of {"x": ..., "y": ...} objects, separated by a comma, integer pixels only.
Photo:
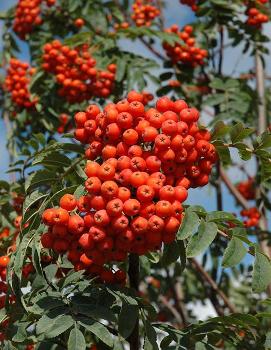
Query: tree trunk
[{"x": 133, "y": 273}]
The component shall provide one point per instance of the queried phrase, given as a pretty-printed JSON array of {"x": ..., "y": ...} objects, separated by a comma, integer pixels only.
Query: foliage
[{"x": 217, "y": 258}]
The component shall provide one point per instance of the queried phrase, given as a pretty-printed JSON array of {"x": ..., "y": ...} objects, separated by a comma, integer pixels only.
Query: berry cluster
[
  {"x": 190, "y": 3},
  {"x": 253, "y": 216},
  {"x": 186, "y": 53},
  {"x": 123, "y": 25},
  {"x": 247, "y": 189},
  {"x": 147, "y": 160},
  {"x": 64, "y": 123},
  {"x": 4, "y": 261},
  {"x": 17, "y": 83},
  {"x": 256, "y": 17},
  {"x": 76, "y": 72},
  {"x": 144, "y": 12},
  {"x": 28, "y": 15}
]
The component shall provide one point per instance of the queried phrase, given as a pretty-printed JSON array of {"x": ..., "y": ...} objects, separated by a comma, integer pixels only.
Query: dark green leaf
[
  {"x": 261, "y": 276},
  {"x": 200, "y": 241},
  {"x": 234, "y": 253},
  {"x": 189, "y": 225},
  {"x": 99, "y": 330},
  {"x": 127, "y": 319},
  {"x": 76, "y": 340}
]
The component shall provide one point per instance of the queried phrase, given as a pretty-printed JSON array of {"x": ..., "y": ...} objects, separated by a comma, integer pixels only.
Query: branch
[
  {"x": 262, "y": 125},
  {"x": 172, "y": 309},
  {"x": 213, "y": 284},
  {"x": 152, "y": 49},
  {"x": 234, "y": 191},
  {"x": 161, "y": 17},
  {"x": 133, "y": 272},
  {"x": 221, "y": 50},
  {"x": 177, "y": 299}
]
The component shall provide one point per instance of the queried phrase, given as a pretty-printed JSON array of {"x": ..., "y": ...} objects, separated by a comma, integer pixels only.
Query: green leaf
[
  {"x": 150, "y": 337},
  {"x": 215, "y": 99},
  {"x": 166, "y": 76},
  {"x": 223, "y": 152},
  {"x": 265, "y": 141},
  {"x": 5, "y": 185},
  {"x": 98, "y": 329},
  {"x": 239, "y": 132},
  {"x": 32, "y": 199},
  {"x": 21, "y": 252},
  {"x": 52, "y": 328},
  {"x": 217, "y": 84},
  {"x": 261, "y": 276},
  {"x": 200, "y": 241},
  {"x": 220, "y": 129},
  {"x": 154, "y": 257},
  {"x": 40, "y": 177},
  {"x": 220, "y": 216},
  {"x": 46, "y": 303},
  {"x": 234, "y": 253},
  {"x": 171, "y": 253},
  {"x": 189, "y": 225},
  {"x": 88, "y": 307},
  {"x": 127, "y": 319},
  {"x": 54, "y": 159},
  {"x": 267, "y": 343},
  {"x": 50, "y": 271},
  {"x": 72, "y": 277},
  {"x": 76, "y": 340}
]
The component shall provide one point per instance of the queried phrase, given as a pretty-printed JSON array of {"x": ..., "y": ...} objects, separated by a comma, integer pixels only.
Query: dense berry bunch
[
  {"x": 17, "y": 83},
  {"x": 190, "y": 3},
  {"x": 76, "y": 72},
  {"x": 28, "y": 15},
  {"x": 122, "y": 25},
  {"x": 144, "y": 12},
  {"x": 64, "y": 123},
  {"x": 256, "y": 17},
  {"x": 247, "y": 189},
  {"x": 253, "y": 216},
  {"x": 187, "y": 52},
  {"x": 141, "y": 164}
]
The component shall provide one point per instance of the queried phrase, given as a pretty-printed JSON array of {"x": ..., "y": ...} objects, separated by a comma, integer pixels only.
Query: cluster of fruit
[
  {"x": 256, "y": 17},
  {"x": 76, "y": 72},
  {"x": 247, "y": 188},
  {"x": 4, "y": 261},
  {"x": 190, "y": 3},
  {"x": 144, "y": 12},
  {"x": 140, "y": 165},
  {"x": 17, "y": 83},
  {"x": 253, "y": 216},
  {"x": 186, "y": 53},
  {"x": 28, "y": 15},
  {"x": 64, "y": 123},
  {"x": 122, "y": 25}
]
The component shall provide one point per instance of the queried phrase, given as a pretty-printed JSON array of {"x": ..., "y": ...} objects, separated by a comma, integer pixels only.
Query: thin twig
[
  {"x": 152, "y": 49},
  {"x": 234, "y": 191},
  {"x": 172, "y": 309},
  {"x": 177, "y": 300},
  {"x": 133, "y": 273},
  {"x": 262, "y": 125},
  {"x": 213, "y": 285},
  {"x": 161, "y": 17}
]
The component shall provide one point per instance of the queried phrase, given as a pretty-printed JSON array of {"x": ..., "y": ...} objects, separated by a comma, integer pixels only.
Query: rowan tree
[{"x": 119, "y": 124}]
